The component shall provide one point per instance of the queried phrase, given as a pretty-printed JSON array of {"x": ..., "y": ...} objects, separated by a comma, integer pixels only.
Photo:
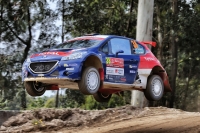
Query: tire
[
  {"x": 99, "y": 97},
  {"x": 90, "y": 82},
  {"x": 155, "y": 88},
  {"x": 34, "y": 89}
]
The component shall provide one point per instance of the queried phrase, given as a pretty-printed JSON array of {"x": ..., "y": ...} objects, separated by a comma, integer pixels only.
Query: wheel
[
  {"x": 100, "y": 97},
  {"x": 155, "y": 88},
  {"x": 90, "y": 82},
  {"x": 34, "y": 88}
]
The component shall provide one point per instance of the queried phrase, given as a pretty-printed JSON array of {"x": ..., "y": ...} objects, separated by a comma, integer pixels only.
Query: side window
[
  {"x": 105, "y": 48},
  {"x": 120, "y": 44},
  {"x": 139, "y": 49}
]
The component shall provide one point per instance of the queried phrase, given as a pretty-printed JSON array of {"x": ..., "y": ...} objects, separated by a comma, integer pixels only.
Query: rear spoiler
[{"x": 149, "y": 42}]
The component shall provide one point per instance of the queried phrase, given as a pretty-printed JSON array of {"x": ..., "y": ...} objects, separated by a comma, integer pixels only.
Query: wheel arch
[
  {"x": 160, "y": 71},
  {"x": 92, "y": 60}
]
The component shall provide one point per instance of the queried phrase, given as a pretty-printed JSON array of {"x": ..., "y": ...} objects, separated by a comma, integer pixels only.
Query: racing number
[
  {"x": 107, "y": 60},
  {"x": 135, "y": 45}
]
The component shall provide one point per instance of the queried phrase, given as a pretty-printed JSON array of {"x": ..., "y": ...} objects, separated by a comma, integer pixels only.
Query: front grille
[{"x": 42, "y": 67}]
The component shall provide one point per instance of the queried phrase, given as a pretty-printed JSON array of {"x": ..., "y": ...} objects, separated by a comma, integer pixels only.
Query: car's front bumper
[
  {"x": 61, "y": 82},
  {"x": 64, "y": 70}
]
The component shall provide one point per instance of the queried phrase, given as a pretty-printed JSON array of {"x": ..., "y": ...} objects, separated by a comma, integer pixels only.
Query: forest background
[{"x": 28, "y": 26}]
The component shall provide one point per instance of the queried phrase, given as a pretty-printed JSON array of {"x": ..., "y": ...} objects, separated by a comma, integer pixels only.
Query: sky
[{"x": 49, "y": 93}]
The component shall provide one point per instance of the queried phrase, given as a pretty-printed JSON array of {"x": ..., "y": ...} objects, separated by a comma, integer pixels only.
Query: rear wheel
[
  {"x": 34, "y": 88},
  {"x": 90, "y": 82},
  {"x": 100, "y": 97},
  {"x": 155, "y": 88}
]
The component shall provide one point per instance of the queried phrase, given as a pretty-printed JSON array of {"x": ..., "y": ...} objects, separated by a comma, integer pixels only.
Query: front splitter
[{"x": 61, "y": 82}]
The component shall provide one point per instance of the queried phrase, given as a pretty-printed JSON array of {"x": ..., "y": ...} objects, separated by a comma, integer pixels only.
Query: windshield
[{"x": 83, "y": 43}]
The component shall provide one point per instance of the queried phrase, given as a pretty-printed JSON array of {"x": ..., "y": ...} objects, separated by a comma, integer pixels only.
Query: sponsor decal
[
  {"x": 114, "y": 71},
  {"x": 70, "y": 65},
  {"x": 139, "y": 51},
  {"x": 116, "y": 78},
  {"x": 106, "y": 76},
  {"x": 65, "y": 65},
  {"x": 25, "y": 73},
  {"x": 149, "y": 58},
  {"x": 120, "y": 79},
  {"x": 132, "y": 66},
  {"x": 89, "y": 38},
  {"x": 115, "y": 62},
  {"x": 23, "y": 68},
  {"x": 40, "y": 75},
  {"x": 110, "y": 70},
  {"x": 111, "y": 78},
  {"x": 44, "y": 54},
  {"x": 78, "y": 49},
  {"x": 70, "y": 69},
  {"x": 132, "y": 71},
  {"x": 123, "y": 79},
  {"x": 119, "y": 71},
  {"x": 73, "y": 64},
  {"x": 42, "y": 68},
  {"x": 49, "y": 53}
]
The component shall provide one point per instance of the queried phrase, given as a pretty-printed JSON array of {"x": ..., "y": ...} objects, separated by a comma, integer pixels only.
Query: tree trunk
[
  {"x": 174, "y": 50},
  {"x": 186, "y": 90},
  {"x": 160, "y": 38},
  {"x": 129, "y": 19},
  {"x": 62, "y": 39},
  {"x": 27, "y": 49},
  {"x": 63, "y": 21},
  {"x": 143, "y": 33}
]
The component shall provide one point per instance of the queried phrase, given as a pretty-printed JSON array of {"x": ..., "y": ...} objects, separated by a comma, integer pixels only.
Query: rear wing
[{"x": 149, "y": 42}]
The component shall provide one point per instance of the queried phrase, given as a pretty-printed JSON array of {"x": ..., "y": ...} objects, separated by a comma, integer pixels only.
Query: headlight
[{"x": 73, "y": 56}]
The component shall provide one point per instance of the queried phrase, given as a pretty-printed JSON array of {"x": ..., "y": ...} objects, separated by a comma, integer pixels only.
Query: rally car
[{"x": 98, "y": 65}]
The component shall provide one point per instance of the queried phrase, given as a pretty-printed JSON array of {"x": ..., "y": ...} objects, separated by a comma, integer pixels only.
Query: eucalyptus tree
[
  {"x": 187, "y": 95},
  {"x": 144, "y": 33},
  {"x": 22, "y": 22},
  {"x": 104, "y": 17}
]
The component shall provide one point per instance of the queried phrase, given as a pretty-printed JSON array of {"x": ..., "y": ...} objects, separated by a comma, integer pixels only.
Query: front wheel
[
  {"x": 34, "y": 88},
  {"x": 155, "y": 88},
  {"x": 100, "y": 97},
  {"x": 90, "y": 82}
]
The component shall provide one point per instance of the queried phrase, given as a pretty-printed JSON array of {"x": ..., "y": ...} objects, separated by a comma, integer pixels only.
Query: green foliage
[
  {"x": 115, "y": 101},
  {"x": 103, "y": 17},
  {"x": 72, "y": 99},
  {"x": 38, "y": 102},
  {"x": 90, "y": 104},
  {"x": 50, "y": 103},
  {"x": 21, "y": 19}
]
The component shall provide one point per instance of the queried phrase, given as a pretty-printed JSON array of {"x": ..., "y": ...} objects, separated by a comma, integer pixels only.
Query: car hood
[{"x": 53, "y": 54}]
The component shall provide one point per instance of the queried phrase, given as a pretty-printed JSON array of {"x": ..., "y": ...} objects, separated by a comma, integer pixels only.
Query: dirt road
[
  {"x": 152, "y": 120},
  {"x": 125, "y": 119}
]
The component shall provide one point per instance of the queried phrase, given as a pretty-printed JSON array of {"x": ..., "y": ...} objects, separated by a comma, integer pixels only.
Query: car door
[{"x": 119, "y": 62}]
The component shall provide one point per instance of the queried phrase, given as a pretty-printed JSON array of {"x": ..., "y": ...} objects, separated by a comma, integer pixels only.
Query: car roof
[
  {"x": 103, "y": 37},
  {"x": 98, "y": 37}
]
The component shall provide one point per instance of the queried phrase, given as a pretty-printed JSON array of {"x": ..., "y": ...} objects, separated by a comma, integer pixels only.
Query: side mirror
[{"x": 120, "y": 51}]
